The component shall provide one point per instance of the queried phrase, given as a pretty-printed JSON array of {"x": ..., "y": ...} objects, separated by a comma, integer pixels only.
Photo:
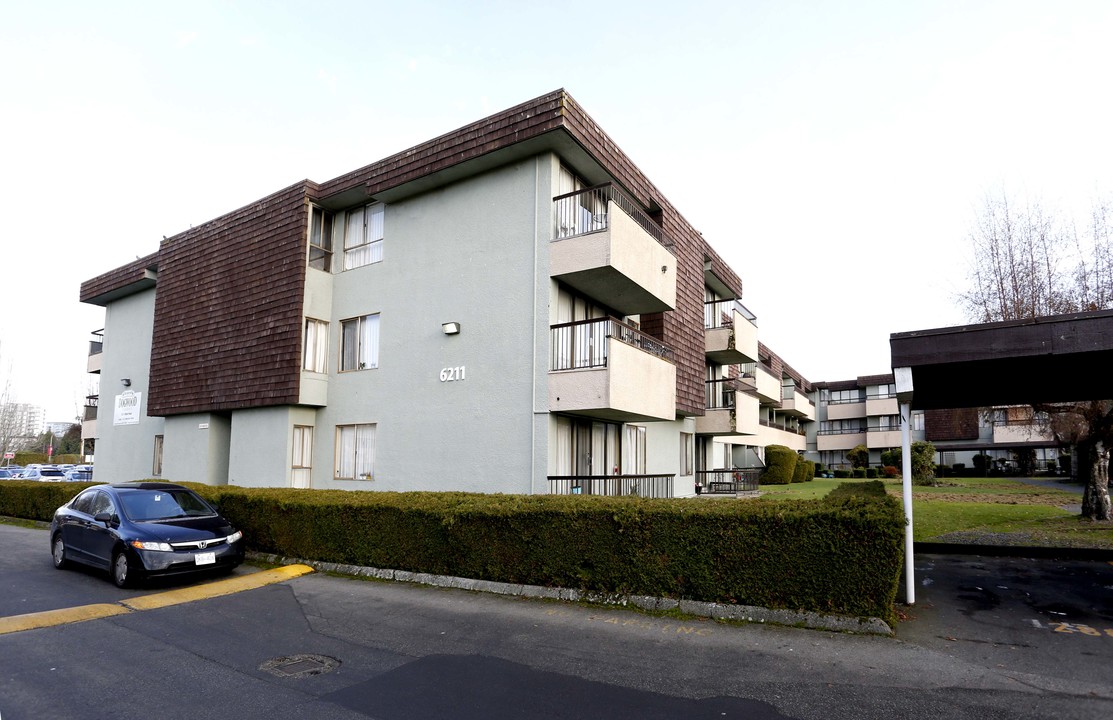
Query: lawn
[{"x": 1000, "y": 511}]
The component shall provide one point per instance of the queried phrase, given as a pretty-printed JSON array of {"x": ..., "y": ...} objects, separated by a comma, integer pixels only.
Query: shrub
[
  {"x": 891, "y": 457},
  {"x": 871, "y": 473},
  {"x": 804, "y": 470},
  {"x": 859, "y": 457},
  {"x": 959, "y": 469},
  {"x": 890, "y": 472},
  {"x": 858, "y": 472},
  {"x": 843, "y": 474},
  {"x": 982, "y": 463},
  {"x": 780, "y": 465},
  {"x": 923, "y": 463}
]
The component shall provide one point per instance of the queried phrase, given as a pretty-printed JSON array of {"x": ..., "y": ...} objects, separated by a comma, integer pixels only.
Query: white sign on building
[{"x": 127, "y": 408}]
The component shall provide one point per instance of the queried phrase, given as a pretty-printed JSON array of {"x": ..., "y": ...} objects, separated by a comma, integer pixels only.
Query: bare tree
[{"x": 1028, "y": 263}]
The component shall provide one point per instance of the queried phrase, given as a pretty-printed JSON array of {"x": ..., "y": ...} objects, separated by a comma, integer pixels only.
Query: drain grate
[{"x": 299, "y": 666}]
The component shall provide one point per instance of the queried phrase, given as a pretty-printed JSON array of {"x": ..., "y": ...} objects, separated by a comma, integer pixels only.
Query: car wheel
[
  {"x": 120, "y": 570},
  {"x": 58, "y": 551}
]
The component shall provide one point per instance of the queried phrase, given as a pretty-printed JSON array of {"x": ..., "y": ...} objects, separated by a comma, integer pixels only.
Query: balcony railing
[
  {"x": 717, "y": 313},
  {"x": 586, "y": 211},
  {"x": 96, "y": 347},
  {"x": 730, "y": 481},
  {"x": 720, "y": 393},
  {"x": 650, "y": 486},
  {"x": 842, "y": 431},
  {"x": 784, "y": 426},
  {"x": 583, "y": 344},
  {"x": 91, "y": 402}
]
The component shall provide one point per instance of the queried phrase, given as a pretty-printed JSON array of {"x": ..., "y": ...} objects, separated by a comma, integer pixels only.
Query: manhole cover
[{"x": 299, "y": 666}]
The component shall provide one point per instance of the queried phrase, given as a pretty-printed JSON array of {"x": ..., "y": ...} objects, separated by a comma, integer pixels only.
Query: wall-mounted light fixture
[
  {"x": 451, "y": 328},
  {"x": 126, "y": 382}
]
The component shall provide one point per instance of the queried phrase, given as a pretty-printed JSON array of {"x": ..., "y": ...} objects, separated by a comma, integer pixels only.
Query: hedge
[
  {"x": 780, "y": 465},
  {"x": 841, "y": 554}
]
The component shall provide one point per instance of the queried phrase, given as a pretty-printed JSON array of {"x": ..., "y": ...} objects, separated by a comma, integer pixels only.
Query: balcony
[
  {"x": 761, "y": 382},
  {"x": 608, "y": 370},
  {"x": 730, "y": 411},
  {"x": 883, "y": 438},
  {"x": 730, "y": 333},
  {"x": 605, "y": 247},
  {"x": 89, "y": 418},
  {"x": 650, "y": 486},
  {"x": 840, "y": 439},
  {"x": 796, "y": 404},
  {"x": 96, "y": 348},
  {"x": 1012, "y": 433},
  {"x": 881, "y": 405},
  {"x": 847, "y": 410}
]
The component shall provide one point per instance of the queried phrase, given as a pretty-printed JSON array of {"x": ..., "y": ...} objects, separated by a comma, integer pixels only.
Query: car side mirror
[{"x": 103, "y": 517}]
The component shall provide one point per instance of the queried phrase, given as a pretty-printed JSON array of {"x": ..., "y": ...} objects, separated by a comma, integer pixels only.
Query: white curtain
[
  {"x": 302, "y": 461},
  {"x": 346, "y": 451},
  {"x": 365, "y": 451},
  {"x": 562, "y": 458},
  {"x": 369, "y": 341},
  {"x": 316, "y": 346},
  {"x": 375, "y": 233}
]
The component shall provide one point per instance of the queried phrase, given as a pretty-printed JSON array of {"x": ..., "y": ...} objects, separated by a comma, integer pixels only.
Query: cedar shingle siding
[{"x": 228, "y": 310}]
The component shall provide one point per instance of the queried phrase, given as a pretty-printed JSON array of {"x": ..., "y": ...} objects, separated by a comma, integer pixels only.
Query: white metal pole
[{"x": 906, "y": 471}]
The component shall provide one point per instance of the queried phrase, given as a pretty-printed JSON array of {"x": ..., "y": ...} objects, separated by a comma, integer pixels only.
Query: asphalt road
[{"x": 331, "y": 647}]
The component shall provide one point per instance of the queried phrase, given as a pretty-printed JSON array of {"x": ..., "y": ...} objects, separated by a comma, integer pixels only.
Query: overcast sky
[{"x": 834, "y": 153}]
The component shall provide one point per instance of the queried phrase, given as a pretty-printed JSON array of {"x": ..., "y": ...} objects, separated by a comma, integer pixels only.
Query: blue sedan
[{"x": 138, "y": 530}]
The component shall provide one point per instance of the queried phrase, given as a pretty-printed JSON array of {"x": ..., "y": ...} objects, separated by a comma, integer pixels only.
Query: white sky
[{"x": 833, "y": 152}]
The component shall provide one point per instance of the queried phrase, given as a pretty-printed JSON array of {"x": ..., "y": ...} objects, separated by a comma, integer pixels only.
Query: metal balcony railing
[
  {"x": 650, "y": 486},
  {"x": 729, "y": 481},
  {"x": 719, "y": 313},
  {"x": 583, "y": 344},
  {"x": 720, "y": 393},
  {"x": 587, "y": 211}
]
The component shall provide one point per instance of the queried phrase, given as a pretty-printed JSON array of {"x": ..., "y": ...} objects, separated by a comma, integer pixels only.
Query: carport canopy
[{"x": 1063, "y": 358}]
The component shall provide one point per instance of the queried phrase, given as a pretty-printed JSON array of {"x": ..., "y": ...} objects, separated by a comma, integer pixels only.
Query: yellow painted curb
[
  {"x": 63, "y": 616},
  {"x": 216, "y": 589}
]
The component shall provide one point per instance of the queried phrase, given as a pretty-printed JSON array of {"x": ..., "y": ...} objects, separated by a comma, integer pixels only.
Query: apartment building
[
  {"x": 864, "y": 411},
  {"x": 510, "y": 307}
]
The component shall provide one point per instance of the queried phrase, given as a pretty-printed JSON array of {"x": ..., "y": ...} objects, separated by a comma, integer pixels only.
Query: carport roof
[{"x": 1064, "y": 358}]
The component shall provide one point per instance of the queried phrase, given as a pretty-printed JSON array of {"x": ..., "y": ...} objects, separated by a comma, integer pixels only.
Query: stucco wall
[{"x": 126, "y": 452}]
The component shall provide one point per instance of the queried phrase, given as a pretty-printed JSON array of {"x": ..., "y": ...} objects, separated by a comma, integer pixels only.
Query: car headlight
[
  {"x": 234, "y": 537},
  {"x": 143, "y": 545}
]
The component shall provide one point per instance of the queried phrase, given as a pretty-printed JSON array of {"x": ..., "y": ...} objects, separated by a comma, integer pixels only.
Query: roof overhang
[{"x": 1064, "y": 358}]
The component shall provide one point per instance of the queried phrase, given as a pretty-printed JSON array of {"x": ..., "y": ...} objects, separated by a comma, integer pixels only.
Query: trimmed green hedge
[
  {"x": 780, "y": 465},
  {"x": 838, "y": 555}
]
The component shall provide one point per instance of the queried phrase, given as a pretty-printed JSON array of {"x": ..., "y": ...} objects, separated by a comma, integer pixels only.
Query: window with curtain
[
  {"x": 320, "y": 240},
  {"x": 156, "y": 465},
  {"x": 363, "y": 236},
  {"x": 686, "y": 454},
  {"x": 359, "y": 343},
  {"x": 633, "y": 450},
  {"x": 315, "y": 353},
  {"x": 301, "y": 463},
  {"x": 355, "y": 452}
]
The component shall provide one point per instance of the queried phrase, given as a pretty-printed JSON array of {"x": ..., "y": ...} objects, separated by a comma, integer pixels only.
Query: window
[
  {"x": 320, "y": 240},
  {"x": 359, "y": 343},
  {"x": 156, "y": 468},
  {"x": 363, "y": 236},
  {"x": 686, "y": 451},
  {"x": 302, "y": 456},
  {"x": 917, "y": 421},
  {"x": 315, "y": 355},
  {"x": 355, "y": 452},
  {"x": 633, "y": 450}
]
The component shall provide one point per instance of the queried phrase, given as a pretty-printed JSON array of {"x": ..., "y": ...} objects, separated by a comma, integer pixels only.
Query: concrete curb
[
  {"x": 715, "y": 611},
  {"x": 1035, "y": 552}
]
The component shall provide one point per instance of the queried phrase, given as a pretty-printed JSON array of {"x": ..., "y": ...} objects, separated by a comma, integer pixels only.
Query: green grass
[{"x": 982, "y": 509}]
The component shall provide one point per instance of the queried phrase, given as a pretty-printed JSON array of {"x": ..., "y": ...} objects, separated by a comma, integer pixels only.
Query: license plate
[{"x": 205, "y": 558}]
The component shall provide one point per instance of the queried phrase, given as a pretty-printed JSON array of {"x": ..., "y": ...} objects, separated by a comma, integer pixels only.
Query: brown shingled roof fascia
[{"x": 117, "y": 279}]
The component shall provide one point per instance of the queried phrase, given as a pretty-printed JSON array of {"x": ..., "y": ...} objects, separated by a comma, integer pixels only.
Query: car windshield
[{"x": 143, "y": 505}]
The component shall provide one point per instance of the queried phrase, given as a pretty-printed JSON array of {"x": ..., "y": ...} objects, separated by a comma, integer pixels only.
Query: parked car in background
[
  {"x": 44, "y": 474},
  {"x": 77, "y": 474},
  {"x": 138, "y": 530},
  {"x": 6, "y": 474}
]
